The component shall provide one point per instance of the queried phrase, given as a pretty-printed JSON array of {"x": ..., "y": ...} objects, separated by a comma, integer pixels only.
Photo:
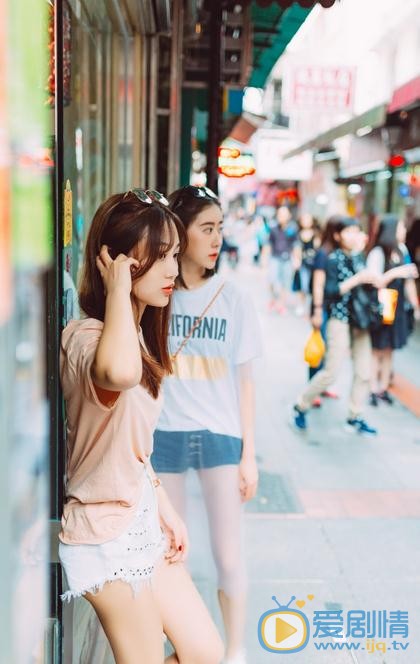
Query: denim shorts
[{"x": 176, "y": 451}]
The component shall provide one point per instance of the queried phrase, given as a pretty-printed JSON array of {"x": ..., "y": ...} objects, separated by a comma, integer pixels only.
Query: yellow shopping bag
[
  {"x": 314, "y": 349},
  {"x": 388, "y": 297}
]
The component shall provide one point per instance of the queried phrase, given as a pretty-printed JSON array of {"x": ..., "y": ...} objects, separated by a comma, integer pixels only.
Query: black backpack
[{"x": 364, "y": 308}]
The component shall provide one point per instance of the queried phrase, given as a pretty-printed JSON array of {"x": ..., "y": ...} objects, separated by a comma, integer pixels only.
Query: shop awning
[
  {"x": 246, "y": 126},
  {"x": 273, "y": 28},
  {"x": 405, "y": 96},
  {"x": 373, "y": 118}
]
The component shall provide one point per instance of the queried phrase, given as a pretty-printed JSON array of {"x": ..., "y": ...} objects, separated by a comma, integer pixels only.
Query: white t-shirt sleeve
[
  {"x": 376, "y": 261},
  {"x": 247, "y": 341}
]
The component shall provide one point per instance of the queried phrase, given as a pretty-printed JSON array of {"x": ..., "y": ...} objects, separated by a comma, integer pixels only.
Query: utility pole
[{"x": 214, "y": 93}]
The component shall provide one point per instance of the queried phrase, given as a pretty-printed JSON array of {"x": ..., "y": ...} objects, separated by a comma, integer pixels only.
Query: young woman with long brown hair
[{"x": 122, "y": 543}]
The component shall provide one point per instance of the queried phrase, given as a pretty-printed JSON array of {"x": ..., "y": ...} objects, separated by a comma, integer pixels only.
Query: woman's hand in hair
[
  {"x": 117, "y": 365},
  {"x": 248, "y": 478},
  {"x": 116, "y": 274},
  {"x": 173, "y": 527}
]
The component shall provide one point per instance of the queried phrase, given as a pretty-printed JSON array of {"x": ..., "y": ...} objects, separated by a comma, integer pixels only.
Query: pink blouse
[{"x": 108, "y": 446}]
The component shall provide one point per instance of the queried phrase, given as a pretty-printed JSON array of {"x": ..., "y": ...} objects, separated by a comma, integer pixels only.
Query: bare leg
[
  {"x": 386, "y": 369},
  {"x": 234, "y": 615},
  {"x": 224, "y": 509},
  {"x": 376, "y": 370},
  {"x": 282, "y": 299},
  {"x": 132, "y": 625},
  {"x": 174, "y": 484},
  {"x": 185, "y": 617},
  {"x": 186, "y": 620}
]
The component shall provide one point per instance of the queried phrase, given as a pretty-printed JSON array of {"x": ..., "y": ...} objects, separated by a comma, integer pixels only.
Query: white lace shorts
[{"x": 131, "y": 557}]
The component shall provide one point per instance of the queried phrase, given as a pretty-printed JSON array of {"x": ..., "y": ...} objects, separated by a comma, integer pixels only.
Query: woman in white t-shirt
[{"x": 208, "y": 418}]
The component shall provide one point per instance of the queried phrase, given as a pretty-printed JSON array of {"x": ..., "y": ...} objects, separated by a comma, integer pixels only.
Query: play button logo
[{"x": 283, "y": 631}]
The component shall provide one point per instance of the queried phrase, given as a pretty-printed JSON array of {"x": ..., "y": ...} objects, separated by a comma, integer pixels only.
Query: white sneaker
[{"x": 239, "y": 658}]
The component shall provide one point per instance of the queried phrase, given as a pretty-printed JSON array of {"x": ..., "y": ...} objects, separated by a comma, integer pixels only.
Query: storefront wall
[{"x": 103, "y": 135}]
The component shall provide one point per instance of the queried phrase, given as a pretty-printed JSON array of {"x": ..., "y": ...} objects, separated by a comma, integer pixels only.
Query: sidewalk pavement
[{"x": 337, "y": 516}]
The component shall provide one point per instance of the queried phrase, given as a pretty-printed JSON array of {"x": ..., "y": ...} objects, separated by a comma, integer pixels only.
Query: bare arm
[
  {"x": 318, "y": 286},
  {"x": 350, "y": 283},
  {"x": 411, "y": 294},
  {"x": 408, "y": 271},
  {"x": 365, "y": 276},
  {"x": 296, "y": 256},
  {"x": 247, "y": 409},
  {"x": 117, "y": 365}
]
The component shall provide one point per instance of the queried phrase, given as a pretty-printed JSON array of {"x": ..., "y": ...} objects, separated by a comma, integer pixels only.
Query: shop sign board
[
  {"x": 323, "y": 88},
  {"x": 270, "y": 146}
]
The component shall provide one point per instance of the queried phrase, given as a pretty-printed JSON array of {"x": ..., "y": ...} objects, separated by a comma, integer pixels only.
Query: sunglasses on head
[
  {"x": 197, "y": 192},
  {"x": 148, "y": 196}
]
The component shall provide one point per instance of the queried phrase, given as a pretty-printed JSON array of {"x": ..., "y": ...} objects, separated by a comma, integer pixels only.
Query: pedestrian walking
[
  {"x": 207, "y": 423},
  {"x": 283, "y": 259},
  {"x": 344, "y": 275},
  {"x": 122, "y": 544},
  {"x": 306, "y": 247},
  {"x": 319, "y": 311},
  {"x": 262, "y": 232},
  {"x": 387, "y": 260}
]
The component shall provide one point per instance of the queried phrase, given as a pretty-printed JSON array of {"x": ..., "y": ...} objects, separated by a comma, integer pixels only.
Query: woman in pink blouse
[{"x": 122, "y": 544}]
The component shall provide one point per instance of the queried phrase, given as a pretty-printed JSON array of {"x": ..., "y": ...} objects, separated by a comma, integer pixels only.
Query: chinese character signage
[{"x": 322, "y": 88}]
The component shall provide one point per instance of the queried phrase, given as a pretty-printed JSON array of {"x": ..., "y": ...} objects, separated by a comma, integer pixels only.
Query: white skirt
[{"x": 131, "y": 557}]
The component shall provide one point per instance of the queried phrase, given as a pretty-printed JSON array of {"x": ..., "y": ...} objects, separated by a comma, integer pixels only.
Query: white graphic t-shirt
[{"x": 202, "y": 393}]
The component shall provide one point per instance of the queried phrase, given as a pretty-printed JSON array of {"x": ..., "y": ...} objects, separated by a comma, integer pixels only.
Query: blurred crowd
[{"x": 357, "y": 287}]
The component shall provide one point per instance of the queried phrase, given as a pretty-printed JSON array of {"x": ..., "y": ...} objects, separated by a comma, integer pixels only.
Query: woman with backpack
[
  {"x": 388, "y": 260},
  {"x": 344, "y": 275}
]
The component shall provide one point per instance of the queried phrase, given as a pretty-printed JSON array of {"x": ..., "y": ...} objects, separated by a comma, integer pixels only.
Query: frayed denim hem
[{"x": 136, "y": 586}]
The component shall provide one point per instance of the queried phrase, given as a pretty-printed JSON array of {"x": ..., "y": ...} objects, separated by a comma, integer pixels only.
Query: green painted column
[{"x": 187, "y": 115}]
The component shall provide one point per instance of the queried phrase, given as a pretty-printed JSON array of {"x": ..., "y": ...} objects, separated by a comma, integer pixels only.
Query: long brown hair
[{"x": 121, "y": 222}]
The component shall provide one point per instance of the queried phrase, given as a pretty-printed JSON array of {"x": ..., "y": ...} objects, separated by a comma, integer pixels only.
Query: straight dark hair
[
  {"x": 332, "y": 226},
  {"x": 121, "y": 222},
  {"x": 386, "y": 237},
  {"x": 187, "y": 207},
  {"x": 341, "y": 223}
]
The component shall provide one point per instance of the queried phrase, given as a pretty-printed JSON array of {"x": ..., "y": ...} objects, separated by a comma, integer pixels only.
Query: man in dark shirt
[{"x": 282, "y": 243}]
